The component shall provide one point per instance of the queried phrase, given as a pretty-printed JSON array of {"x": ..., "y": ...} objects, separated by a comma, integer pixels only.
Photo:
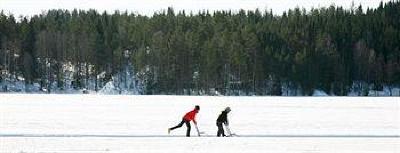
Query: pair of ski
[{"x": 228, "y": 131}]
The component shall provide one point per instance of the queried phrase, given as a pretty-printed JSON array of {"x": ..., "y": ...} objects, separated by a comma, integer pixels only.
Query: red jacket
[{"x": 191, "y": 116}]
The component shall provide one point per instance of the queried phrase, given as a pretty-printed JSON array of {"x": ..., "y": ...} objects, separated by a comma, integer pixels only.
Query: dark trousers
[
  {"x": 180, "y": 125},
  {"x": 220, "y": 129}
]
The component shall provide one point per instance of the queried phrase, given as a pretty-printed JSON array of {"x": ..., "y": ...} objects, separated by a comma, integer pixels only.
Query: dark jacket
[{"x": 223, "y": 118}]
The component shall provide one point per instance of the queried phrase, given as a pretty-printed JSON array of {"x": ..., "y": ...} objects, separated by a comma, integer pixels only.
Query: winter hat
[
  {"x": 197, "y": 107},
  {"x": 227, "y": 109}
]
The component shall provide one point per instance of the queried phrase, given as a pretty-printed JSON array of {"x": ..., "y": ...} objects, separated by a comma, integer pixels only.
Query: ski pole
[
  {"x": 228, "y": 130},
  {"x": 198, "y": 131}
]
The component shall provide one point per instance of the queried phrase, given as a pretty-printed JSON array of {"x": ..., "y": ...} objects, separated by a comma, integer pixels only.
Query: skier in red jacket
[{"x": 189, "y": 116}]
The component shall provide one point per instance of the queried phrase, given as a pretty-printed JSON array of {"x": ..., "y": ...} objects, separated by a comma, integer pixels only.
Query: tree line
[{"x": 175, "y": 52}]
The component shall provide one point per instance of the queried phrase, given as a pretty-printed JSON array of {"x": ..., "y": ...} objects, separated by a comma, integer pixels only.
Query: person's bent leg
[
  {"x": 220, "y": 130},
  {"x": 178, "y": 126},
  {"x": 188, "y": 128}
]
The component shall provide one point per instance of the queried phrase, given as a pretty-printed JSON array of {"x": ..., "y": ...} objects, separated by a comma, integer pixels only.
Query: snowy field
[{"x": 125, "y": 124}]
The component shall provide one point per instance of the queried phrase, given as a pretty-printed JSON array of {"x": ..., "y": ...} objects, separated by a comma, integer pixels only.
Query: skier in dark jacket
[
  {"x": 223, "y": 119},
  {"x": 189, "y": 116}
]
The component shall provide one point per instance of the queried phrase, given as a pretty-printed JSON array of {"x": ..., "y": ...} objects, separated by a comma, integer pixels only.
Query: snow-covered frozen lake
[{"x": 120, "y": 124}]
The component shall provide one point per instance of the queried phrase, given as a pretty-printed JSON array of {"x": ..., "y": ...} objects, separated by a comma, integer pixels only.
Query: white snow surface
[{"x": 119, "y": 124}]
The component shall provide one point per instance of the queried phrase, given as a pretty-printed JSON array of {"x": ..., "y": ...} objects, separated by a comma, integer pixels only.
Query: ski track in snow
[
  {"x": 204, "y": 135},
  {"x": 120, "y": 124}
]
